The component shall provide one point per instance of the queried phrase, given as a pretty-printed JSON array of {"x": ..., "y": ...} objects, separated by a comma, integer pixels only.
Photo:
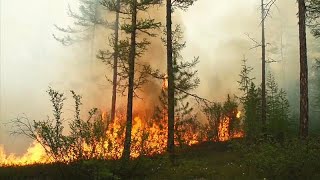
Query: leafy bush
[{"x": 294, "y": 159}]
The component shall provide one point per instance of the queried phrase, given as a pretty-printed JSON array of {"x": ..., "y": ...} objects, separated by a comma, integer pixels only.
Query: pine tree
[
  {"x": 278, "y": 108},
  {"x": 134, "y": 50},
  {"x": 113, "y": 5},
  {"x": 85, "y": 23},
  {"x": 251, "y": 100},
  {"x": 252, "y": 112},
  {"x": 186, "y": 80},
  {"x": 304, "y": 102},
  {"x": 245, "y": 79},
  {"x": 170, "y": 5}
]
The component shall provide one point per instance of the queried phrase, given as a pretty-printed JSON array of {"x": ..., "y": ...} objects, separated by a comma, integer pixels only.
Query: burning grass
[{"x": 149, "y": 137}]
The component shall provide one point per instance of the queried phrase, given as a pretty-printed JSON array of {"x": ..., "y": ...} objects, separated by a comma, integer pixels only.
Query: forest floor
[{"x": 200, "y": 162}]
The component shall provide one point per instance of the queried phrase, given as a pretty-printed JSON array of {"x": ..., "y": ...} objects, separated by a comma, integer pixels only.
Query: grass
[{"x": 209, "y": 160}]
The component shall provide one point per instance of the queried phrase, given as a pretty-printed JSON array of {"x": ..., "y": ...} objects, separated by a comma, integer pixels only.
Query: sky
[{"x": 31, "y": 60}]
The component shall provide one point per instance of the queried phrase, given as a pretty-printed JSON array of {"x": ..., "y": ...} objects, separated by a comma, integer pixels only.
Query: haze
[{"x": 31, "y": 60}]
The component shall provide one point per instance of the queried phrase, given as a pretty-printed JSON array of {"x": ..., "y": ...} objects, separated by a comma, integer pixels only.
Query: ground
[{"x": 209, "y": 160}]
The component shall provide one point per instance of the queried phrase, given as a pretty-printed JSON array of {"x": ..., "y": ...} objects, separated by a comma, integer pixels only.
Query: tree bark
[
  {"x": 127, "y": 143},
  {"x": 170, "y": 142},
  {"x": 115, "y": 64},
  {"x": 304, "y": 107},
  {"x": 263, "y": 84}
]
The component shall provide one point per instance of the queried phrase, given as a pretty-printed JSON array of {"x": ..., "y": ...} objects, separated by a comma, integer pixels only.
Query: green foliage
[
  {"x": 230, "y": 110},
  {"x": 252, "y": 113},
  {"x": 277, "y": 109},
  {"x": 277, "y": 106},
  {"x": 313, "y": 16},
  {"x": 146, "y": 27},
  {"x": 214, "y": 115},
  {"x": 71, "y": 147},
  {"x": 251, "y": 100},
  {"x": 186, "y": 80},
  {"x": 314, "y": 84},
  {"x": 294, "y": 159},
  {"x": 245, "y": 79},
  {"x": 89, "y": 15},
  {"x": 218, "y": 114}
]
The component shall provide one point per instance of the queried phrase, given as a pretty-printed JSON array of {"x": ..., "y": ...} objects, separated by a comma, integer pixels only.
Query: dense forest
[{"x": 173, "y": 132}]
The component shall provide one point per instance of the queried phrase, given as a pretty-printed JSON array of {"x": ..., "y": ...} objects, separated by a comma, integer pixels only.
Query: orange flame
[
  {"x": 149, "y": 137},
  {"x": 35, "y": 154}
]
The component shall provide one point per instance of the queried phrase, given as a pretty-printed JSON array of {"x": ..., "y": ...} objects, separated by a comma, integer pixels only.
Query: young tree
[
  {"x": 170, "y": 5},
  {"x": 245, "y": 79},
  {"x": 214, "y": 114},
  {"x": 304, "y": 106},
  {"x": 252, "y": 113},
  {"x": 278, "y": 109},
  {"x": 114, "y": 5},
  {"x": 86, "y": 139},
  {"x": 251, "y": 100},
  {"x": 186, "y": 80},
  {"x": 132, "y": 7}
]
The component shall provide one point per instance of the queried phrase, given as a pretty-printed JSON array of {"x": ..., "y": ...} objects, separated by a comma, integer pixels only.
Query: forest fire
[
  {"x": 35, "y": 155},
  {"x": 148, "y": 138}
]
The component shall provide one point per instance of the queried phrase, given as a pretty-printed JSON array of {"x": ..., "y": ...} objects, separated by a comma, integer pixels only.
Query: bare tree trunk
[
  {"x": 170, "y": 143},
  {"x": 115, "y": 63},
  {"x": 263, "y": 84},
  {"x": 127, "y": 143},
  {"x": 304, "y": 107}
]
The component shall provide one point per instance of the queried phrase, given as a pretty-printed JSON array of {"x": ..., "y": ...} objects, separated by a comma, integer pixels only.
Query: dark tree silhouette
[{"x": 304, "y": 107}]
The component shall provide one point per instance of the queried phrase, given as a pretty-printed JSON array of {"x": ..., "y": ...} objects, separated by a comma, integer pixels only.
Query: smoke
[{"x": 31, "y": 60}]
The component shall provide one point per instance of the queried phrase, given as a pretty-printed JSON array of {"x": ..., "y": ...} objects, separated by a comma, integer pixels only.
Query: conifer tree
[
  {"x": 278, "y": 108},
  {"x": 131, "y": 50},
  {"x": 170, "y": 6},
  {"x": 186, "y": 80},
  {"x": 304, "y": 100}
]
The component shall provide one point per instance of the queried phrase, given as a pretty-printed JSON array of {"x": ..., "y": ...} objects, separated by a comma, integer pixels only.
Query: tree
[
  {"x": 304, "y": 106},
  {"x": 252, "y": 112},
  {"x": 278, "y": 109},
  {"x": 245, "y": 79},
  {"x": 263, "y": 84},
  {"x": 313, "y": 15},
  {"x": 132, "y": 7},
  {"x": 251, "y": 100},
  {"x": 314, "y": 84},
  {"x": 85, "y": 24},
  {"x": 265, "y": 12},
  {"x": 186, "y": 80},
  {"x": 114, "y": 6},
  {"x": 86, "y": 139},
  {"x": 170, "y": 5},
  {"x": 214, "y": 114}
]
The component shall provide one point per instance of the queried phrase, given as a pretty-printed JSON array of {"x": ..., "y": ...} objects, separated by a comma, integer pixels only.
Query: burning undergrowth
[{"x": 97, "y": 137}]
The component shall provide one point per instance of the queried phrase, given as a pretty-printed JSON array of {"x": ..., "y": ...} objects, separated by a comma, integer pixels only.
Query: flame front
[
  {"x": 148, "y": 138},
  {"x": 35, "y": 154}
]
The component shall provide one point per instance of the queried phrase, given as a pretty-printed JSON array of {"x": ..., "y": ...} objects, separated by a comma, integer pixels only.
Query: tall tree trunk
[
  {"x": 304, "y": 107},
  {"x": 115, "y": 63},
  {"x": 263, "y": 84},
  {"x": 170, "y": 142},
  {"x": 127, "y": 143}
]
